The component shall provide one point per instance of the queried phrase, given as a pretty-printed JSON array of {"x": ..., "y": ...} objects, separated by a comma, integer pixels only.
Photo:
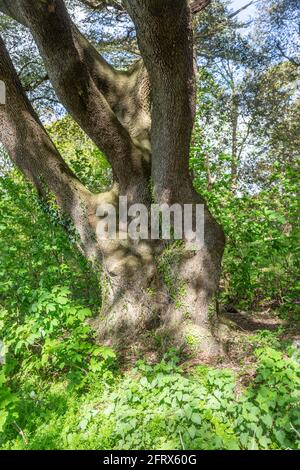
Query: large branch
[
  {"x": 85, "y": 83},
  {"x": 9, "y": 8},
  {"x": 101, "y": 68},
  {"x": 28, "y": 144},
  {"x": 199, "y": 5},
  {"x": 165, "y": 38},
  {"x": 31, "y": 149},
  {"x": 99, "y": 5}
]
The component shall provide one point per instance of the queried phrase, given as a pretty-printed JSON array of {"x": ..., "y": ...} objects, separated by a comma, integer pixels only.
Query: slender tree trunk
[{"x": 234, "y": 140}]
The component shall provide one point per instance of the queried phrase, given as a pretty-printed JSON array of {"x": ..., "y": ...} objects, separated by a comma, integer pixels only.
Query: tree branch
[
  {"x": 33, "y": 85},
  {"x": 199, "y": 5},
  {"x": 223, "y": 22},
  {"x": 31, "y": 149},
  {"x": 196, "y": 5},
  {"x": 101, "y": 4},
  {"x": 292, "y": 60},
  {"x": 9, "y": 9},
  {"x": 237, "y": 12},
  {"x": 165, "y": 39},
  {"x": 27, "y": 142}
]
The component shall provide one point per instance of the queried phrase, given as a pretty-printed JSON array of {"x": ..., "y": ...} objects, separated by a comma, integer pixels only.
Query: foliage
[
  {"x": 63, "y": 391},
  {"x": 159, "y": 407},
  {"x": 44, "y": 249},
  {"x": 278, "y": 29},
  {"x": 8, "y": 401},
  {"x": 85, "y": 159},
  {"x": 268, "y": 413},
  {"x": 261, "y": 224}
]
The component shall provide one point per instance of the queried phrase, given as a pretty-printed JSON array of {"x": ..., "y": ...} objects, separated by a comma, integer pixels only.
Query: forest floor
[
  {"x": 248, "y": 330},
  {"x": 244, "y": 400},
  {"x": 245, "y": 332}
]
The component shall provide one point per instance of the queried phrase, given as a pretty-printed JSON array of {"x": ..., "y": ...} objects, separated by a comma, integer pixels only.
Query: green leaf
[
  {"x": 62, "y": 300},
  {"x": 267, "y": 420},
  {"x": 3, "y": 419},
  {"x": 196, "y": 418}
]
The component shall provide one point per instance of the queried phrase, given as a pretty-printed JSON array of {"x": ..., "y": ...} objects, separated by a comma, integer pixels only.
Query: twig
[
  {"x": 21, "y": 432},
  {"x": 181, "y": 440}
]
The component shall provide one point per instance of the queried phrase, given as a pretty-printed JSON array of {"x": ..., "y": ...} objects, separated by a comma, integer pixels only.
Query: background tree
[{"x": 278, "y": 30}]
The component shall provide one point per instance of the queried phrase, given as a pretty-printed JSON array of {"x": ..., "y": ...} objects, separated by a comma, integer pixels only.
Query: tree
[
  {"x": 142, "y": 119},
  {"x": 278, "y": 30}
]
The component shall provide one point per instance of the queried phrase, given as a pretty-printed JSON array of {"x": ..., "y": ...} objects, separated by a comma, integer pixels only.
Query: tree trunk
[
  {"x": 234, "y": 140},
  {"x": 142, "y": 119},
  {"x": 160, "y": 288}
]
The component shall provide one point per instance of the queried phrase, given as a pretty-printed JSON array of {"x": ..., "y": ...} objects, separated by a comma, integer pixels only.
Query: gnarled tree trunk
[{"x": 142, "y": 120}]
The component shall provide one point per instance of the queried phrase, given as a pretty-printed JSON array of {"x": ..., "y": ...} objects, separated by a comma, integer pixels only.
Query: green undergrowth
[
  {"x": 156, "y": 407},
  {"x": 60, "y": 390}
]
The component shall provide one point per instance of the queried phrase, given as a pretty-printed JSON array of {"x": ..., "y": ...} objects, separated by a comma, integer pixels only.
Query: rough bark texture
[{"x": 142, "y": 119}]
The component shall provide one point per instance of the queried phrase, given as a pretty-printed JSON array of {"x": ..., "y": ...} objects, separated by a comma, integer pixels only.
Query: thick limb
[
  {"x": 106, "y": 103},
  {"x": 31, "y": 149}
]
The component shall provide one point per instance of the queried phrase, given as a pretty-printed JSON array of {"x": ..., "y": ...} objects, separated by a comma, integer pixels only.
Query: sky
[
  {"x": 236, "y": 4},
  {"x": 245, "y": 14}
]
